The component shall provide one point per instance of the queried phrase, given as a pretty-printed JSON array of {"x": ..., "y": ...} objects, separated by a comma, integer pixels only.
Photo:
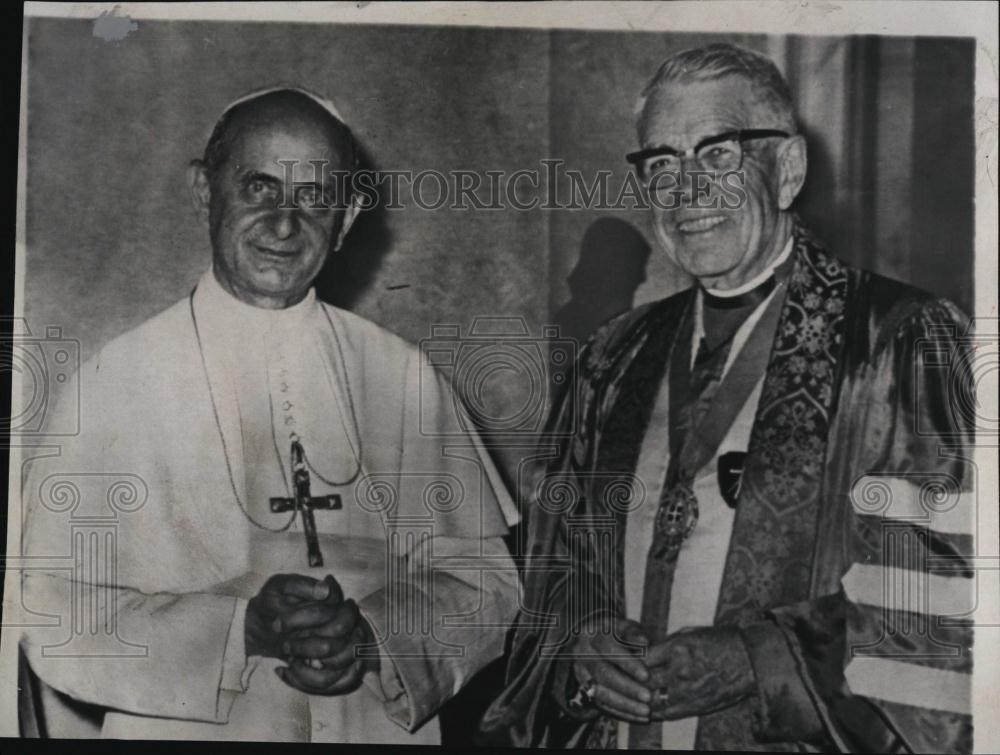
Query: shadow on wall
[
  {"x": 611, "y": 266},
  {"x": 351, "y": 270}
]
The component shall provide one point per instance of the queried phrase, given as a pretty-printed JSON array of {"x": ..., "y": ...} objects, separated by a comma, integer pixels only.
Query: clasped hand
[
  {"x": 308, "y": 624},
  {"x": 691, "y": 673}
]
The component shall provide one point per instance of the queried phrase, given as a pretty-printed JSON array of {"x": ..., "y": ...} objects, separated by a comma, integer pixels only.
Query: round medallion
[{"x": 676, "y": 519}]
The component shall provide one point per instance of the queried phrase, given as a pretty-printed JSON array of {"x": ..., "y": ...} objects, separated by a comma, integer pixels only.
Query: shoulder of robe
[
  {"x": 163, "y": 341},
  {"x": 370, "y": 339},
  {"x": 621, "y": 329},
  {"x": 129, "y": 372},
  {"x": 888, "y": 310}
]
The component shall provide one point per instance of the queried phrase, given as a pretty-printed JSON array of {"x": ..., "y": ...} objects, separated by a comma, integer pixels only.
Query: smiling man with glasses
[{"x": 745, "y": 592}]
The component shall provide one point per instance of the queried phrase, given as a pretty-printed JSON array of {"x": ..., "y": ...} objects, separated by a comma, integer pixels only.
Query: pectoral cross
[{"x": 304, "y": 503}]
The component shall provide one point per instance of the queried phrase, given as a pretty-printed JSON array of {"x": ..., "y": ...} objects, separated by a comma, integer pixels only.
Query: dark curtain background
[
  {"x": 891, "y": 176},
  {"x": 111, "y": 238}
]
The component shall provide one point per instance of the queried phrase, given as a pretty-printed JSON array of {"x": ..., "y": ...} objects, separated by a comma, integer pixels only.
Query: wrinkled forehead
[{"x": 681, "y": 113}]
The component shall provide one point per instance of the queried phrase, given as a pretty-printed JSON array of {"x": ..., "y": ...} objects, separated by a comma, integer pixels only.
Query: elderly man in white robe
[{"x": 269, "y": 537}]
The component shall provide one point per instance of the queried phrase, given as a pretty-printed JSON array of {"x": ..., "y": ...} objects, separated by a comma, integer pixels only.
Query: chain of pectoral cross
[
  {"x": 300, "y": 501},
  {"x": 288, "y": 420},
  {"x": 222, "y": 436}
]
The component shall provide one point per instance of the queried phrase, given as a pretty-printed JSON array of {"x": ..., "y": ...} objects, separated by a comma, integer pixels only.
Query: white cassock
[
  {"x": 698, "y": 575},
  {"x": 151, "y": 529}
]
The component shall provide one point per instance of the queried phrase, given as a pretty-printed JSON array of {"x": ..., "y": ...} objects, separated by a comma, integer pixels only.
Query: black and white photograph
[{"x": 540, "y": 375}]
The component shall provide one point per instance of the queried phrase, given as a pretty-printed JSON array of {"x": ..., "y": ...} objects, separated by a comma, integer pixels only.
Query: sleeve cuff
[
  {"x": 388, "y": 686},
  {"x": 783, "y": 709},
  {"x": 236, "y": 667}
]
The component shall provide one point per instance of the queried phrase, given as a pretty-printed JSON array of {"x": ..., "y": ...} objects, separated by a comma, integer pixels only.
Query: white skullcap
[{"x": 323, "y": 102}]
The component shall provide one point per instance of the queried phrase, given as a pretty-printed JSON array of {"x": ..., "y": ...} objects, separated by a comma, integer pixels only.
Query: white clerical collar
[
  {"x": 699, "y": 321},
  {"x": 221, "y": 303},
  {"x": 751, "y": 284}
]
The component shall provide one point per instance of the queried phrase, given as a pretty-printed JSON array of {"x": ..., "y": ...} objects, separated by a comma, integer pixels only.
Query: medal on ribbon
[
  {"x": 677, "y": 515},
  {"x": 676, "y": 519}
]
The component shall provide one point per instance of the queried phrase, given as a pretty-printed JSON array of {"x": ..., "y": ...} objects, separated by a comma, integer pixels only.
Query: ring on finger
[{"x": 584, "y": 695}]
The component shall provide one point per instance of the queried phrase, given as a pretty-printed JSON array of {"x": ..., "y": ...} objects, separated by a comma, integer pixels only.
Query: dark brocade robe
[{"x": 849, "y": 566}]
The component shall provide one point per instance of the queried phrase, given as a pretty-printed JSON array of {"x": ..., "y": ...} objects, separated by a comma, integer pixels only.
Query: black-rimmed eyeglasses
[{"x": 714, "y": 154}]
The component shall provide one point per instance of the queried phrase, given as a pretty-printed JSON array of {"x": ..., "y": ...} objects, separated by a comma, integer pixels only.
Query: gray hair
[{"x": 718, "y": 61}]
